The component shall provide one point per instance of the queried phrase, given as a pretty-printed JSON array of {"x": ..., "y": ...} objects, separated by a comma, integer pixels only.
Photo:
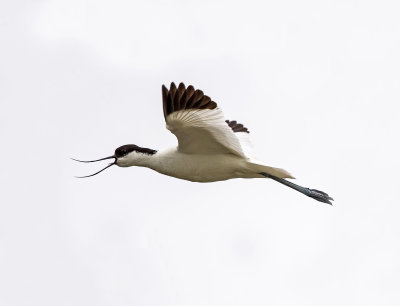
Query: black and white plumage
[{"x": 210, "y": 148}]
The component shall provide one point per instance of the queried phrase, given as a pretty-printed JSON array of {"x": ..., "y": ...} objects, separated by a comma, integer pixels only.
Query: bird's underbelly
[{"x": 204, "y": 168}]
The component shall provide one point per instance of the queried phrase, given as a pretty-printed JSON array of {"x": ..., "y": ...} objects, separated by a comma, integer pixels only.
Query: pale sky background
[{"x": 316, "y": 83}]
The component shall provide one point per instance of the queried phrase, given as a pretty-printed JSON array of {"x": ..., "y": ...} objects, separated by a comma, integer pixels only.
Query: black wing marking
[
  {"x": 237, "y": 127},
  {"x": 180, "y": 98}
]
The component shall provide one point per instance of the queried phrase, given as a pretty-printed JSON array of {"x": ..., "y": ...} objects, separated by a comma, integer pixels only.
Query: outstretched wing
[{"x": 199, "y": 124}]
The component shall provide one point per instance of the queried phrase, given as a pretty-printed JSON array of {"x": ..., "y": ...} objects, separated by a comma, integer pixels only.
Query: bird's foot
[{"x": 318, "y": 195}]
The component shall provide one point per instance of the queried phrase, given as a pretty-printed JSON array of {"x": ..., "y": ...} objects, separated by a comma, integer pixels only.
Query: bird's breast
[{"x": 199, "y": 167}]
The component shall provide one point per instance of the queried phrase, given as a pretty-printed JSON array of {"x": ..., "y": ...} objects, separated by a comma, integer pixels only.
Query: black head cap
[{"x": 125, "y": 149}]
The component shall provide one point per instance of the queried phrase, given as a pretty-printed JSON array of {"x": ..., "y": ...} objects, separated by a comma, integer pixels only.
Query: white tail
[{"x": 258, "y": 167}]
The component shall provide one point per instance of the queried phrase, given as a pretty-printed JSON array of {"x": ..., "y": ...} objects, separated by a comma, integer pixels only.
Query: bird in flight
[{"x": 209, "y": 149}]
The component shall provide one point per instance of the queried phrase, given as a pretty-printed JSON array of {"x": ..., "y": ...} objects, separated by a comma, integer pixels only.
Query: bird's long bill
[{"x": 92, "y": 161}]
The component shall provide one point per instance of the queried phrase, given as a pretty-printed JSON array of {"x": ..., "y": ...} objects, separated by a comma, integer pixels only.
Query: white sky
[{"x": 317, "y": 84}]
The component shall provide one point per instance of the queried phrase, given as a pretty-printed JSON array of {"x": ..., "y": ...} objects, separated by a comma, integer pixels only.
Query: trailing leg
[{"x": 312, "y": 193}]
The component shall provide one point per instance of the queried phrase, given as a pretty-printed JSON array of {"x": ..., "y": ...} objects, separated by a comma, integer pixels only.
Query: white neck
[{"x": 138, "y": 159}]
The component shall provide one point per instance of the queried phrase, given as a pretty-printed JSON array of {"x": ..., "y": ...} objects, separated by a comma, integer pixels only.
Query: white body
[{"x": 200, "y": 167}]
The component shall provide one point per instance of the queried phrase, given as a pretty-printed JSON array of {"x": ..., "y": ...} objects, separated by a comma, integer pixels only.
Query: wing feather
[{"x": 200, "y": 125}]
